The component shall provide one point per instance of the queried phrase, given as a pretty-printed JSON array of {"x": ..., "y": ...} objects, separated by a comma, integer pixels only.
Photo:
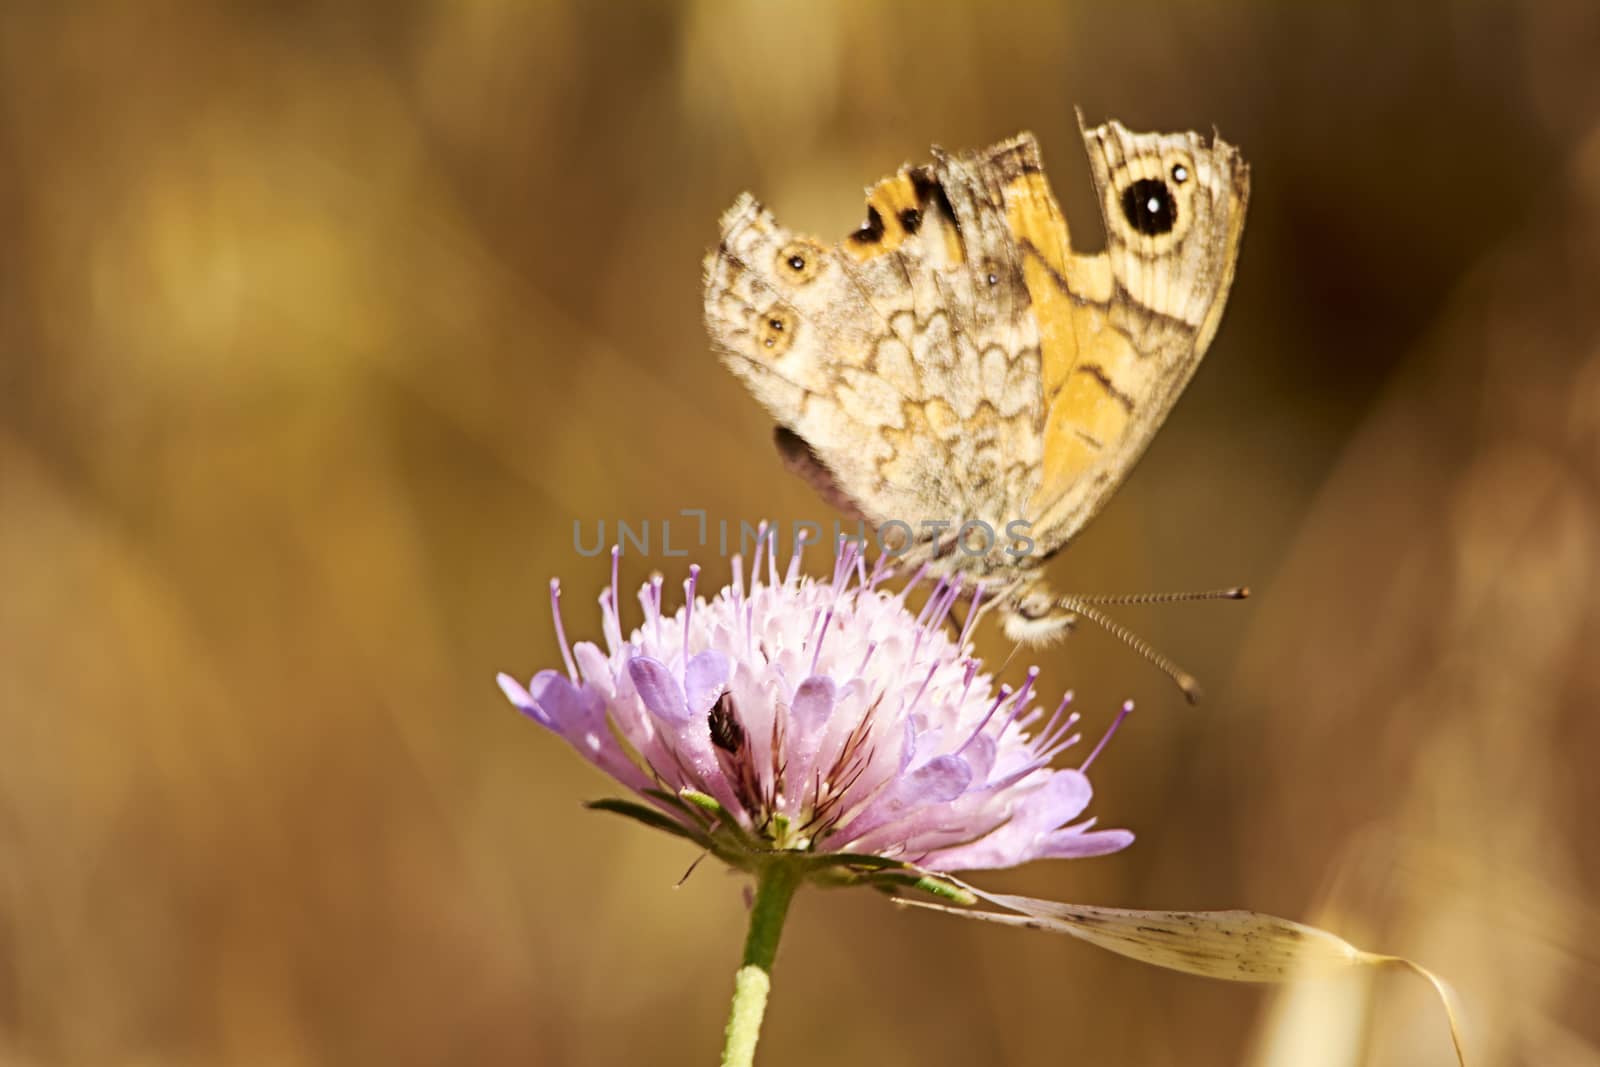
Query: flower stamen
[
  {"x": 561, "y": 633},
  {"x": 1127, "y": 709}
]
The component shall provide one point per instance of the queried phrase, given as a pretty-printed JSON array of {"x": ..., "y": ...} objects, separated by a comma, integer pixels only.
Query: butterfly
[{"x": 953, "y": 369}]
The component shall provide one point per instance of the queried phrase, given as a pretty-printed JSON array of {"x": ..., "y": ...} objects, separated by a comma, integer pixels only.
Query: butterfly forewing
[{"x": 1139, "y": 315}]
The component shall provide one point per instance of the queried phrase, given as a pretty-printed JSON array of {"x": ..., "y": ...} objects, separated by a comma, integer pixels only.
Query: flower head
[{"x": 823, "y": 717}]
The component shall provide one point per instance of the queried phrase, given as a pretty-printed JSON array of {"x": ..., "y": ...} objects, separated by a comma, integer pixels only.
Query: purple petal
[
  {"x": 980, "y": 755},
  {"x": 659, "y": 690},
  {"x": 812, "y": 705},
  {"x": 521, "y": 698},
  {"x": 938, "y": 781},
  {"x": 1032, "y": 830},
  {"x": 809, "y": 711},
  {"x": 595, "y": 667},
  {"x": 570, "y": 710},
  {"x": 908, "y": 745},
  {"x": 1061, "y": 798},
  {"x": 579, "y": 716},
  {"x": 1075, "y": 844},
  {"x": 993, "y": 852},
  {"x": 705, "y": 678}
]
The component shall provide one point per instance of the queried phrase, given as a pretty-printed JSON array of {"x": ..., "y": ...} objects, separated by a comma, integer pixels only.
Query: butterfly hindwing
[{"x": 904, "y": 355}]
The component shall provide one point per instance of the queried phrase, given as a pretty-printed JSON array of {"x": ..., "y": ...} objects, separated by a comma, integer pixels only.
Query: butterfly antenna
[
  {"x": 1084, "y": 606},
  {"x": 1238, "y": 592}
]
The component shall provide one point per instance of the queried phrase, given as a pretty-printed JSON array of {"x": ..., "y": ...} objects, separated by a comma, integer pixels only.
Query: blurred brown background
[{"x": 319, "y": 327}]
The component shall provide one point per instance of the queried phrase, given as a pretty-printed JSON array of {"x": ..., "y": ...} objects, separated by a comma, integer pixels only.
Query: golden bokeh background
[{"x": 321, "y": 325}]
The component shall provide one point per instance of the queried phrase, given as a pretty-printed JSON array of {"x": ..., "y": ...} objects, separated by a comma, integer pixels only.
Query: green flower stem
[{"x": 774, "y": 889}]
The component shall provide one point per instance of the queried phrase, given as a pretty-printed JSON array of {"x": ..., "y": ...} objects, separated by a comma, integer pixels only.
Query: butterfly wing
[
  {"x": 955, "y": 359},
  {"x": 1122, "y": 331},
  {"x": 904, "y": 356}
]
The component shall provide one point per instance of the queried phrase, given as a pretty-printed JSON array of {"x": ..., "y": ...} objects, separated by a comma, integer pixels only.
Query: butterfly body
[{"x": 955, "y": 369}]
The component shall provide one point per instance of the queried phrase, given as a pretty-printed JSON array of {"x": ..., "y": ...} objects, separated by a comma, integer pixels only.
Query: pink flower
[{"x": 819, "y": 717}]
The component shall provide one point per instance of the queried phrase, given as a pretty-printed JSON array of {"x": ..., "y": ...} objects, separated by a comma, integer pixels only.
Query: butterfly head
[{"x": 1033, "y": 615}]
